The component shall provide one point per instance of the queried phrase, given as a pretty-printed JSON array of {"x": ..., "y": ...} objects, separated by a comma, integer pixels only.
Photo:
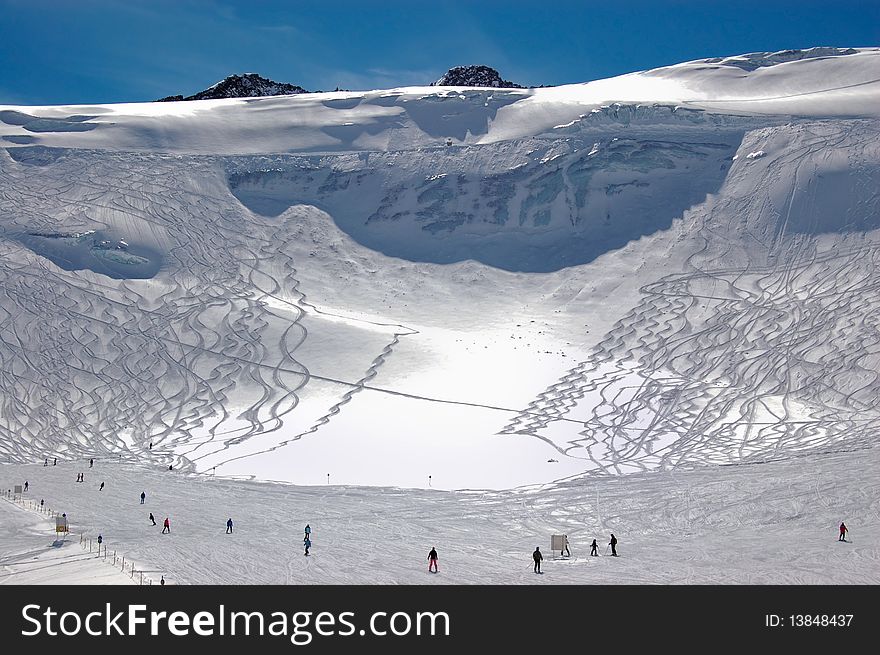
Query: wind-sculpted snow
[
  {"x": 37, "y": 124},
  {"x": 755, "y": 60},
  {"x": 766, "y": 345},
  {"x": 536, "y": 205},
  {"x": 92, "y": 250}
]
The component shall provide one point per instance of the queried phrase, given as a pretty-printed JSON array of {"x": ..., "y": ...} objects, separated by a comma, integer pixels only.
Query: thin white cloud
[{"x": 377, "y": 78}]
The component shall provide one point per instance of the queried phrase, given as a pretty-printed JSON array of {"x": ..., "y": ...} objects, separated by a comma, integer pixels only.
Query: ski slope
[
  {"x": 413, "y": 291},
  {"x": 30, "y": 553},
  {"x": 771, "y": 523}
]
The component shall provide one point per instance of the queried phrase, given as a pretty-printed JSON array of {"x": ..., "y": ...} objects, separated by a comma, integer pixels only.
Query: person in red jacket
[
  {"x": 842, "y": 532},
  {"x": 166, "y": 526}
]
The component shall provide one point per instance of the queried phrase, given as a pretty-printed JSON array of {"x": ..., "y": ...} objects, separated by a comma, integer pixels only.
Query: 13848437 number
[{"x": 819, "y": 620}]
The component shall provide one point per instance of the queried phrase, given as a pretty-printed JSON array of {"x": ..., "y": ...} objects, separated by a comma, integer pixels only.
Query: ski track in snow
[
  {"x": 697, "y": 372},
  {"x": 740, "y": 357},
  {"x": 168, "y": 358},
  {"x": 721, "y": 308}
]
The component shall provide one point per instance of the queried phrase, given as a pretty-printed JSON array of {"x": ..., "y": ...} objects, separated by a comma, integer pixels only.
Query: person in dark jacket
[
  {"x": 26, "y": 485},
  {"x": 229, "y": 526},
  {"x": 166, "y": 527},
  {"x": 101, "y": 488},
  {"x": 152, "y": 519},
  {"x": 91, "y": 463},
  {"x": 565, "y": 543},
  {"x": 432, "y": 560},
  {"x": 308, "y": 544},
  {"x": 843, "y": 532},
  {"x": 613, "y": 544},
  {"x": 538, "y": 557},
  {"x": 594, "y": 549},
  {"x": 143, "y": 497}
]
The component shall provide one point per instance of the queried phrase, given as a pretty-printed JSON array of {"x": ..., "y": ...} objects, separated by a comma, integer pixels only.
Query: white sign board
[
  {"x": 17, "y": 489},
  {"x": 61, "y": 524},
  {"x": 557, "y": 542}
]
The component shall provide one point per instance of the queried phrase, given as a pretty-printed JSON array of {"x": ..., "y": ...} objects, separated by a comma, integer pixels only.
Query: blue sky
[{"x": 92, "y": 51}]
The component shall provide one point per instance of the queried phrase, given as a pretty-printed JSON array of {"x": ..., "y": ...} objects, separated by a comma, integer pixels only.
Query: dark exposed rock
[
  {"x": 249, "y": 85},
  {"x": 475, "y": 76}
]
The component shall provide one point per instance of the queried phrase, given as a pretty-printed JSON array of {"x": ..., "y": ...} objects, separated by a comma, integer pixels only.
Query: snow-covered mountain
[
  {"x": 670, "y": 275},
  {"x": 248, "y": 85},
  {"x": 474, "y": 76}
]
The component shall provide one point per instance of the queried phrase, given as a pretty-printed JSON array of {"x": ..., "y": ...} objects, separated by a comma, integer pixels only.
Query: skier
[
  {"x": 567, "y": 551},
  {"x": 152, "y": 519},
  {"x": 842, "y": 537},
  {"x": 594, "y": 549},
  {"x": 613, "y": 544},
  {"x": 25, "y": 485},
  {"x": 101, "y": 488},
  {"x": 166, "y": 527},
  {"x": 46, "y": 463},
  {"x": 54, "y": 461},
  {"x": 170, "y": 467},
  {"x": 308, "y": 531},
  {"x": 308, "y": 544},
  {"x": 143, "y": 497},
  {"x": 162, "y": 581},
  {"x": 228, "y": 526},
  {"x": 41, "y": 502},
  {"x": 91, "y": 463},
  {"x": 432, "y": 560},
  {"x": 151, "y": 445},
  {"x": 537, "y": 556}
]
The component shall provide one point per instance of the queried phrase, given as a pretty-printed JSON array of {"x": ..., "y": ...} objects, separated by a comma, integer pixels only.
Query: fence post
[
  {"x": 142, "y": 578},
  {"x": 123, "y": 562},
  {"x": 114, "y": 558}
]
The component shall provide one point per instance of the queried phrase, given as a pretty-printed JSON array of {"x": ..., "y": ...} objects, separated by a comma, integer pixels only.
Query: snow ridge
[{"x": 755, "y": 60}]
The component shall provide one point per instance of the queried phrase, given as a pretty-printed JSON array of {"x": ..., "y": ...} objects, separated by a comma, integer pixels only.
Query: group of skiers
[
  {"x": 538, "y": 557},
  {"x": 433, "y": 558}
]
